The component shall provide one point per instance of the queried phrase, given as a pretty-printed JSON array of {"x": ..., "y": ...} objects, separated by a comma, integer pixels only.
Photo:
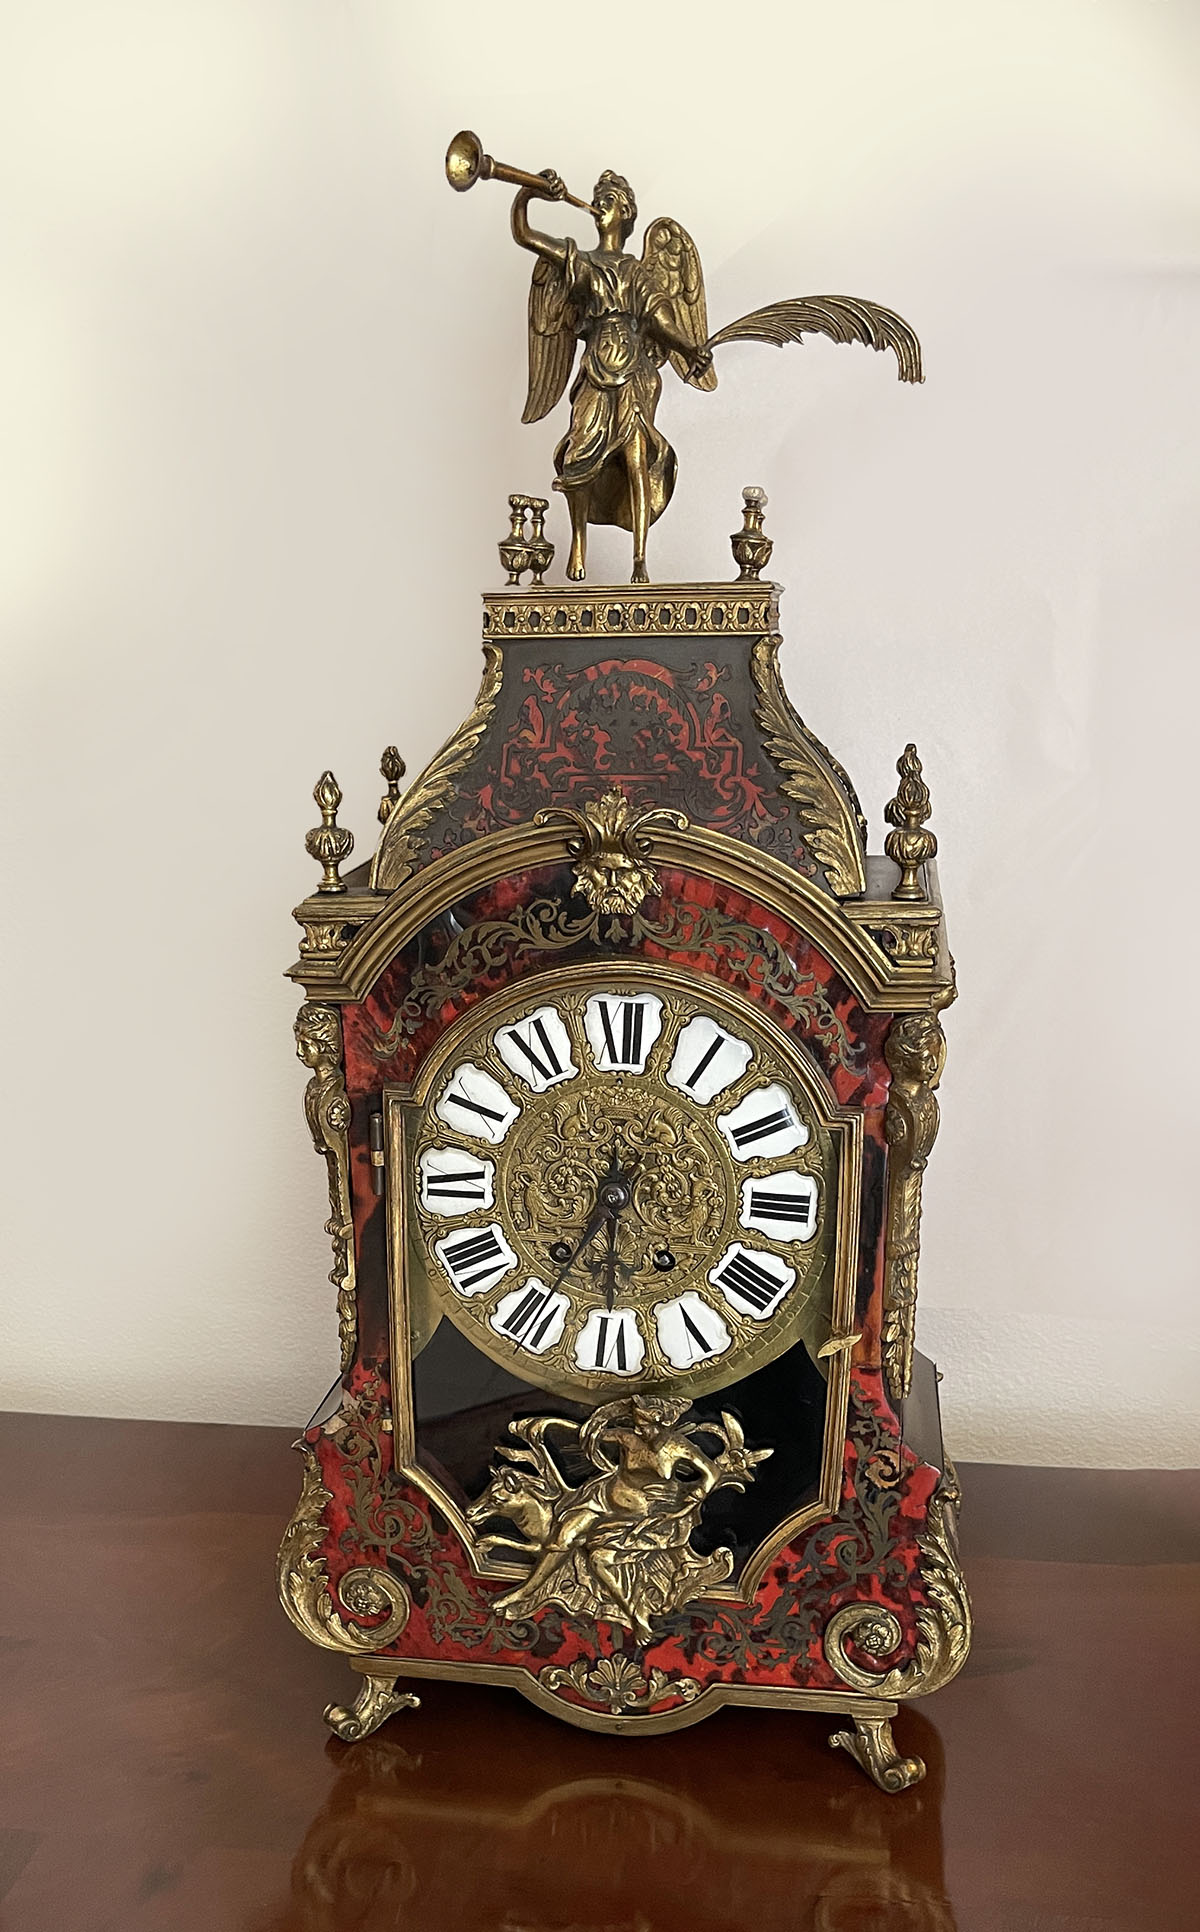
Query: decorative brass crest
[
  {"x": 619, "y": 1683},
  {"x": 327, "y": 1109},
  {"x": 616, "y": 1547},
  {"x": 400, "y": 843},
  {"x": 943, "y": 1622},
  {"x": 915, "y": 1050},
  {"x": 612, "y": 850},
  {"x": 814, "y": 781}
]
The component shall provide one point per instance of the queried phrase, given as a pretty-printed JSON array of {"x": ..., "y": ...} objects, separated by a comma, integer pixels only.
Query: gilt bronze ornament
[
  {"x": 622, "y": 1055},
  {"x": 631, "y": 314}
]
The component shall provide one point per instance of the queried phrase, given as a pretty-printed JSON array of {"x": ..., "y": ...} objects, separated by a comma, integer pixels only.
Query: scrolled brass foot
[
  {"x": 377, "y": 1700},
  {"x": 871, "y": 1746}
]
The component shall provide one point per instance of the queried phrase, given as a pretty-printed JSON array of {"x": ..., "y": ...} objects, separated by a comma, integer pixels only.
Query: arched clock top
[{"x": 891, "y": 955}]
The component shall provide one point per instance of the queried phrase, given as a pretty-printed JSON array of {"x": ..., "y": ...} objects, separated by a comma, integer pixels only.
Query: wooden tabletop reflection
[{"x": 166, "y": 1769}]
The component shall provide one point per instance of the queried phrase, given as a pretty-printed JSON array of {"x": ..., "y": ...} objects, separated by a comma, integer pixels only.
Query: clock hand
[
  {"x": 612, "y": 1195},
  {"x": 610, "y": 1262},
  {"x": 586, "y": 1238}
]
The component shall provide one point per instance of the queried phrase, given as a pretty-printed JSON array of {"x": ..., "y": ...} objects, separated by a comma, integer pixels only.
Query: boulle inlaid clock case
[{"x": 622, "y": 1058}]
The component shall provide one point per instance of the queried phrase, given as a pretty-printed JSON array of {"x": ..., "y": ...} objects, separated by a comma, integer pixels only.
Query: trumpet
[{"x": 466, "y": 163}]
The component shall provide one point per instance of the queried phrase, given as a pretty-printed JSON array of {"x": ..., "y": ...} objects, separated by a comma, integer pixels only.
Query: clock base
[{"x": 870, "y": 1744}]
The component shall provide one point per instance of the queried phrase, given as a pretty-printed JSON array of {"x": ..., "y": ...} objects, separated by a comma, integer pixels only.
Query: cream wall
[{"x": 262, "y": 376}]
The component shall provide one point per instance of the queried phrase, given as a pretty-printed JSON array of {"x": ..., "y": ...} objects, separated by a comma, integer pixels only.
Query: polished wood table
[{"x": 166, "y": 1765}]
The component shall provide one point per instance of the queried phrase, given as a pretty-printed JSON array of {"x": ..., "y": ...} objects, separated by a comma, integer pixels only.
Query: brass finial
[
  {"x": 910, "y": 845},
  {"x": 391, "y": 770},
  {"x": 329, "y": 843},
  {"x": 751, "y": 549},
  {"x": 527, "y": 548}
]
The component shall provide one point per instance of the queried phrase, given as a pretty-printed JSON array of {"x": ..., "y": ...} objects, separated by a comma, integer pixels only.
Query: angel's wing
[
  {"x": 840, "y": 316},
  {"x": 552, "y": 322},
  {"x": 672, "y": 287}
]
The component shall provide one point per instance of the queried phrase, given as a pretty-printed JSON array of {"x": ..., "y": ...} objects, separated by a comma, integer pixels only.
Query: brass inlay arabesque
[{"x": 828, "y": 1311}]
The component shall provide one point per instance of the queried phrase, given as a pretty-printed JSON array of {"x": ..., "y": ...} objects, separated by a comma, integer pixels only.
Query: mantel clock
[{"x": 623, "y": 1056}]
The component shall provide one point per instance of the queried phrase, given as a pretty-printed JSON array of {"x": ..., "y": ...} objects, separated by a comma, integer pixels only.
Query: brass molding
[
  {"x": 816, "y": 784},
  {"x": 877, "y": 981},
  {"x": 329, "y": 926},
  {"x": 943, "y": 1622},
  {"x": 400, "y": 842},
  {"x": 642, "y": 1723},
  {"x": 633, "y": 610},
  {"x": 915, "y": 1050},
  {"x": 303, "y": 1581},
  {"x": 327, "y": 1109}
]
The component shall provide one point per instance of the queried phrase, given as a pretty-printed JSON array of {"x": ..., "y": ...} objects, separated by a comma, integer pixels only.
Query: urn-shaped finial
[
  {"x": 751, "y": 548},
  {"x": 910, "y": 845},
  {"x": 527, "y": 547},
  {"x": 329, "y": 843},
  {"x": 391, "y": 770}
]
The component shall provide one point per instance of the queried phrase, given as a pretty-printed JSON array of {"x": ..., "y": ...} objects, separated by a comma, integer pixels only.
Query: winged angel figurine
[{"x": 614, "y": 465}]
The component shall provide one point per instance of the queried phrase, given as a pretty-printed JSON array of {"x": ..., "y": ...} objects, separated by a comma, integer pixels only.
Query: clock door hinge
[{"x": 378, "y": 1158}]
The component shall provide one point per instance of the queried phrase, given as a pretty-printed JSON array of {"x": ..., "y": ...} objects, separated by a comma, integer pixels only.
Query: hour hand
[{"x": 589, "y": 1234}]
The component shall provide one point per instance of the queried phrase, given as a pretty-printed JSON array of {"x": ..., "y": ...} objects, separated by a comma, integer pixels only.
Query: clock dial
[{"x": 621, "y": 1185}]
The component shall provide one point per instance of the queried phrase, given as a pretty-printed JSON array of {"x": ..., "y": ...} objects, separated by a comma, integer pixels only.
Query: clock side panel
[{"x": 871, "y": 1551}]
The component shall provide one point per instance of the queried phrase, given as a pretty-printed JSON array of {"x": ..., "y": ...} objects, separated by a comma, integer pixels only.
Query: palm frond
[{"x": 842, "y": 317}]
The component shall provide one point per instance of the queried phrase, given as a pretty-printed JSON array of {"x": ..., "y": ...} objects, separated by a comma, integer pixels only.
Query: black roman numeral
[
  {"x": 531, "y": 1317},
  {"x": 705, "y": 1061},
  {"x": 753, "y": 1130},
  {"x": 756, "y": 1285},
  {"x": 464, "y": 1101},
  {"x": 447, "y": 1185},
  {"x": 477, "y": 1252},
  {"x": 704, "y": 1347},
  {"x": 768, "y": 1206},
  {"x": 548, "y": 1069},
  {"x": 633, "y": 1016},
  {"x": 617, "y": 1323}
]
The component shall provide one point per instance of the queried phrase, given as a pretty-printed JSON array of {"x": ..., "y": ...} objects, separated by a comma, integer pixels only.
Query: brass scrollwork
[
  {"x": 813, "y": 780},
  {"x": 303, "y": 1581},
  {"x": 400, "y": 843},
  {"x": 871, "y": 1746},
  {"x": 943, "y": 1634},
  {"x": 377, "y": 1700},
  {"x": 915, "y": 1050},
  {"x": 327, "y": 1110},
  {"x": 619, "y": 1684}
]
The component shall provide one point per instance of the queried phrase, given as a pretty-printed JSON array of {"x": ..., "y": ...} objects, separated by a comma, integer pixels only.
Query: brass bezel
[{"x": 845, "y": 1128}]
